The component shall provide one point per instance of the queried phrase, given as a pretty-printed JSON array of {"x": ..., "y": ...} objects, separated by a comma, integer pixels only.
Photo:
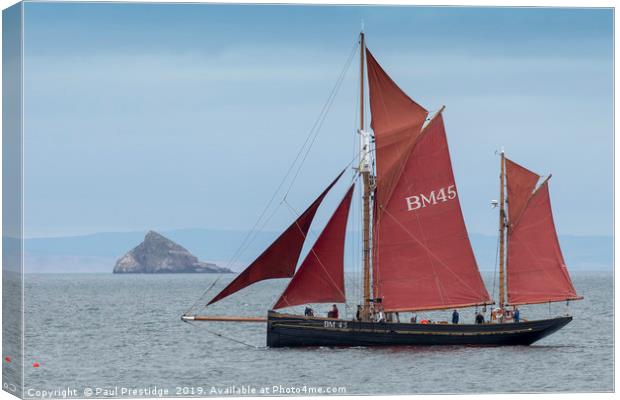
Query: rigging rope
[
  {"x": 202, "y": 296},
  {"x": 495, "y": 266},
  {"x": 323, "y": 114},
  {"x": 223, "y": 336},
  {"x": 251, "y": 236},
  {"x": 298, "y": 161}
]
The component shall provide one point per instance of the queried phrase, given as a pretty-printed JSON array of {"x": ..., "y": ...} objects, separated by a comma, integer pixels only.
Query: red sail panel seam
[
  {"x": 262, "y": 267},
  {"x": 313, "y": 270},
  {"x": 537, "y": 271},
  {"x": 529, "y": 199},
  {"x": 319, "y": 261},
  {"x": 405, "y": 155},
  {"x": 428, "y": 250}
]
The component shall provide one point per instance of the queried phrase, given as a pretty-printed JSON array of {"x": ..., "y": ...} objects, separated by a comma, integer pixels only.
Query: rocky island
[{"x": 158, "y": 254}]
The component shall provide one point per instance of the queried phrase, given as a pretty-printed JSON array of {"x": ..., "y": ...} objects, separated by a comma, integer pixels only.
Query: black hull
[{"x": 286, "y": 330}]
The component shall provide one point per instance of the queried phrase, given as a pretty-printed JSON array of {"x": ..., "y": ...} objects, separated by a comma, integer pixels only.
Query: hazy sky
[{"x": 155, "y": 116}]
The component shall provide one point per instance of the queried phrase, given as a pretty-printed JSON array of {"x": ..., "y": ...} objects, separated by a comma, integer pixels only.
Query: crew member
[
  {"x": 516, "y": 315},
  {"x": 455, "y": 317},
  {"x": 333, "y": 313}
]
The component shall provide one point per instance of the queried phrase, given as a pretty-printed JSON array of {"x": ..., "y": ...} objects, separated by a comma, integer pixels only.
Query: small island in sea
[{"x": 158, "y": 254}]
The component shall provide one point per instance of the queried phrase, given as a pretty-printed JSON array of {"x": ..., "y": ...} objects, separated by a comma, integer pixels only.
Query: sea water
[{"x": 105, "y": 335}]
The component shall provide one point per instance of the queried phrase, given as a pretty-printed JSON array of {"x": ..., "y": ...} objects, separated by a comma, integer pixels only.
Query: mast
[
  {"x": 365, "y": 171},
  {"x": 502, "y": 229}
]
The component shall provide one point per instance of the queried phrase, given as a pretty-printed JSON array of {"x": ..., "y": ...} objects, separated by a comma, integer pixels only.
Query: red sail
[
  {"x": 320, "y": 278},
  {"x": 423, "y": 258},
  {"x": 520, "y": 182},
  {"x": 280, "y": 259},
  {"x": 536, "y": 272},
  {"x": 396, "y": 121}
]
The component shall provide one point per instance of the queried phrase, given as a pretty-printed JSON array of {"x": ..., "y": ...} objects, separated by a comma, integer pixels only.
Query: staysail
[
  {"x": 320, "y": 278},
  {"x": 280, "y": 259},
  {"x": 536, "y": 271}
]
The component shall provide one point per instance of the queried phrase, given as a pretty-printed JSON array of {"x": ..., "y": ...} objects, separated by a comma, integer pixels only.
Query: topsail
[{"x": 396, "y": 121}]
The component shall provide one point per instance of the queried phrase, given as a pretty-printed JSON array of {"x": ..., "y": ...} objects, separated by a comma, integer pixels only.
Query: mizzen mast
[
  {"x": 502, "y": 230},
  {"x": 365, "y": 170}
]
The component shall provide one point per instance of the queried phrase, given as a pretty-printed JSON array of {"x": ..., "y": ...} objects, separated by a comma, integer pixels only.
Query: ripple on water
[{"x": 99, "y": 330}]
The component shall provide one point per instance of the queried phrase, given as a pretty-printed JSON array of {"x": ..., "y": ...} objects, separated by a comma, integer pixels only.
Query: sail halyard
[
  {"x": 280, "y": 258},
  {"x": 536, "y": 270},
  {"x": 320, "y": 277}
]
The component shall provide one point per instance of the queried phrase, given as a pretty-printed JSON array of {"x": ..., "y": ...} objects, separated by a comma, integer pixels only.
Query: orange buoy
[
  {"x": 7, "y": 359},
  {"x": 36, "y": 364}
]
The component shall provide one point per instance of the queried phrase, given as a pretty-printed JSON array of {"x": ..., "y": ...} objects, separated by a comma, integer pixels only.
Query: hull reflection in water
[{"x": 286, "y": 330}]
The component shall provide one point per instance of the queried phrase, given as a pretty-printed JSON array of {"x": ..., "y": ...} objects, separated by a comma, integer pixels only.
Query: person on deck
[
  {"x": 358, "y": 315},
  {"x": 455, "y": 317},
  {"x": 479, "y": 318},
  {"x": 414, "y": 319},
  {"x": 516, "y": 315},
  {"x": 309, "y": 312},
  {"x": 333, "y": 313}
]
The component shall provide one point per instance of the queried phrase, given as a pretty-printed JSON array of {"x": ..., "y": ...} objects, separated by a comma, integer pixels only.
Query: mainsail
[
  {"x": 536, "y": 271},
  {"x": 320, "y": 278},
  {"x": 422, "y": 255},
  {"x": 280, "y": 259}
]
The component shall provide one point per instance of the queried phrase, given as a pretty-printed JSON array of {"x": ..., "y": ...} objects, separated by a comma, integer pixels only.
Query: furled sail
[
  {"x": 280, "y": 259},
  {"x": 536, "y": 271},
  {"x": 423, "y": 258},
  {"x": 396, "y": 121},
  {"x": 320, "y": 278}
]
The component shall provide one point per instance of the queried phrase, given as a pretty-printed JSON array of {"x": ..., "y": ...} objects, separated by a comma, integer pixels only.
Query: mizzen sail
[
  {"x": 536, "y": 271},
  {"x": 320, "y": 278},
  {"x": 280, "y": 258}
]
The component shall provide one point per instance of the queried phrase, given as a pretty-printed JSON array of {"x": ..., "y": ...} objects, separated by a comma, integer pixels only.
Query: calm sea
[{"x": 121, "y": 335}]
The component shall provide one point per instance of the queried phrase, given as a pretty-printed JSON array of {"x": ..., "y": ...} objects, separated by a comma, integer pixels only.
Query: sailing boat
[{"x": 416, "y": 250}]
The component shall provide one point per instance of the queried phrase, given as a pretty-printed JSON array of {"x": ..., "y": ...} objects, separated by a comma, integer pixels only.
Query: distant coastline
[{"x": 98, "y": 252}]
